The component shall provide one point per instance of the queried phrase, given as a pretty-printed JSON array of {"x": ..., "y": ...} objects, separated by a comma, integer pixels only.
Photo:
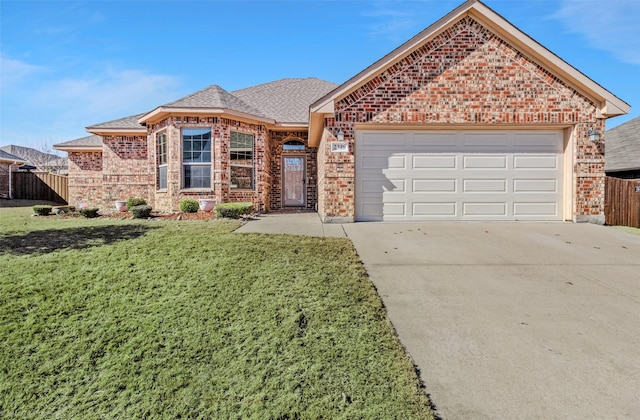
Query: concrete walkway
[
  {"x": 506, "y": 320},
  {"x": 302, "y": 223}
]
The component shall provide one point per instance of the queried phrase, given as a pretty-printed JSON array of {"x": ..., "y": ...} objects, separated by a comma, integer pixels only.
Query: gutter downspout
[{"x": 15, "y": 162}]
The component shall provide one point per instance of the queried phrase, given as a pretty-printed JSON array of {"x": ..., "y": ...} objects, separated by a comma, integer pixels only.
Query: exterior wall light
[
  {"x": 340, "y": 134},
  {"x": 594, "y": 135}
]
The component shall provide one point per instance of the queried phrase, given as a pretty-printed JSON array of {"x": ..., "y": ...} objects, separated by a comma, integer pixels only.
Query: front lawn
[{"x": 130, "y": 319}]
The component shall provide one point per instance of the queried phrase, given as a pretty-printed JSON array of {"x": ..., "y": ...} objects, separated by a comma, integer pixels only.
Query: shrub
[
  {"x": 233, "y": 210},
  {"x": 135, "y": 201},
  {"x": 141, "y": 212},
  {"x": 89, "y": 212},
  {"x": 42, "y": 210},
  {"x": 189, "y": 205}
]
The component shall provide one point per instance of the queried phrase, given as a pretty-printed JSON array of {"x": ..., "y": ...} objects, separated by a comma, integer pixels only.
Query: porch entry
[{"x": 293, "y": 169}]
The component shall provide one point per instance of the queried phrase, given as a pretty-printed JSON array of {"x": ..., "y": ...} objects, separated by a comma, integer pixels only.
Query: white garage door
[{"x": 459, "y": 175}]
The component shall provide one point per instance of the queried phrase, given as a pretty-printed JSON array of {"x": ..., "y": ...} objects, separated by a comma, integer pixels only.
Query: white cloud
[
  {"x": 111, "y": 93},
  {"x": 606, "y": 25},
  {"x": 14, "y": 71},
  {"x": 60, "y": 109}
]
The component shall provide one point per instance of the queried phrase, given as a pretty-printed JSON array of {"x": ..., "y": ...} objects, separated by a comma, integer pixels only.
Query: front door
[{"x": 294, "y": 181}]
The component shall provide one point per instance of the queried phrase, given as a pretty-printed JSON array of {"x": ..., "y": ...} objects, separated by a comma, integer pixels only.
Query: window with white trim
[
  {"x": 162, "y": 160},
  {"x": 241, "y": 161},
  {"x": 196, "y": 158}
]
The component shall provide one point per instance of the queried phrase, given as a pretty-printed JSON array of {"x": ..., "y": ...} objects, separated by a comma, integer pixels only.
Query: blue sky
[{"x": 65, "y": 65}]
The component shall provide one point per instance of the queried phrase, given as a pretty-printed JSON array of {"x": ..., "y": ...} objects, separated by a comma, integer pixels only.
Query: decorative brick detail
[{"x": 465, "y": 75}]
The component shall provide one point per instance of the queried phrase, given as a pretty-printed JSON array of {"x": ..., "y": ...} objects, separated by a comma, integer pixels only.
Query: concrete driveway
[{"x": 513, "y": 320}]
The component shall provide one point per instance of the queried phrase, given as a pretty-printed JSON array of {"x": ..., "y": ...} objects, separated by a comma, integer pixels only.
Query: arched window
[{"x": 293, "y": 145}]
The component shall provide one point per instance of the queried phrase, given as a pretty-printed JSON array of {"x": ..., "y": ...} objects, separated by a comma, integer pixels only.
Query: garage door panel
[
  {"x": 535, "y": 209},
  {"x": 485, "y": 162},
  {"x": 379, "y": 185},
  {"x": 543, "y": 142},
  {"x": 395, "y": 209},
  {"x": 434, "y": 161},
  {"x": 434, "y": 185},
  {"x": 383, "y": 140},
  {"x": 485, "y": 141},
  {"x": 484, "y": 185},
  {"x": 378, "y": 162},
  {"x": 484, "y": 209},
  {"x": 535, "y": 185},
  {"x": 434, "y": 142},
  {"x": 499, "y": 177},
  {"x": 434, "y": 209},
  {"x": 535, "y": 162}
]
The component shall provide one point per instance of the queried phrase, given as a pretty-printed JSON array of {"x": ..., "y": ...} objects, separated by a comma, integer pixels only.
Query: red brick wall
[
  {"x": 85, "y": 179},
  {"x": 465, "y": 75},
  {"x": 126, "y": 172}
]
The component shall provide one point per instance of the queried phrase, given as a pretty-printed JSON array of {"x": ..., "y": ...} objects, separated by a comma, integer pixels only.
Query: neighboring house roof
[
  {"x": 283, "y": 102},
  {"x": 622, "y": 147},
  {"x": 124, "y": 125},
  {"x": 41, "y": 160},
  {"x": 8, "y": 157},
  {"x": 608, "y": 104},
  {"x": 88, "y": 143}
]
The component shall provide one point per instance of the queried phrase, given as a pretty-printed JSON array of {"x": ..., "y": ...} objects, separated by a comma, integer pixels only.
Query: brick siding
[
  {"x": 465, "y": 75},
  {"x": 85, "y": 179}
]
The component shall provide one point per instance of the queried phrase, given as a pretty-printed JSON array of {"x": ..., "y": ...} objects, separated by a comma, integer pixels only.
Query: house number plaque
[{"x": 339, "y": 147}]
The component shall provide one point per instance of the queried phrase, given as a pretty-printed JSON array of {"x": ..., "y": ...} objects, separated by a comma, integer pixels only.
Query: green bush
[
  {"x": 141, "y": 212},
  {"x": 233, "y": 210},
  {"x": 42, "y": 210},
  {"x": 189, "y": 205},
  {"x": 135, "y": 201},
  {"x": 89, "y": 212}
]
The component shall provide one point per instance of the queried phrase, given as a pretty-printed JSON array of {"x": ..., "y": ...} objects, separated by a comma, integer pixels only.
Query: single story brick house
[
  {"x": 8, "y": 165},
  {"x": 471, "y": 119}
]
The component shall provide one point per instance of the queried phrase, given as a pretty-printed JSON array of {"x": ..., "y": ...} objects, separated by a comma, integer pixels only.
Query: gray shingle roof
[
  {"x": 8, "y": 156},
  {"x": 214, "y": 97},
  {"x": 286, "y": 100},
  {"x": 622, "y": 147},
  {"x": 130, "y": 122},
  {"x": 89, "y": 141}
]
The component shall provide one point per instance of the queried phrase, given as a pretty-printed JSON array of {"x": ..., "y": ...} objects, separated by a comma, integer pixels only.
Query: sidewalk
[{"x": 303, "y": 223}]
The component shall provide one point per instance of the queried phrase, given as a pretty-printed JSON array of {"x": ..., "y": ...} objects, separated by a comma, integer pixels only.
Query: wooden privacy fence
[
  {"x": 622, "y": 202},
  {"x": 40, "y": 186}
]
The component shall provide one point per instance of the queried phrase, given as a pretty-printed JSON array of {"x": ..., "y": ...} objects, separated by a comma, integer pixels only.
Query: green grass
[
  {"x": 628, "y": 229},
  {"x": 129, "y": 319}
]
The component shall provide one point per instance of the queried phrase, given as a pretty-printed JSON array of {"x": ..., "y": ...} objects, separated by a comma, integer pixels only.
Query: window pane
[
  {"x": 162, "y": 177},
  {"x": 197, "y": 176}
]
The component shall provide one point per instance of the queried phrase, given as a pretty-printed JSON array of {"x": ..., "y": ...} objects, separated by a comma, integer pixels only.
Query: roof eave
[
  {"x": 162, "y": 112},
  {"x": 67, "y": 149},
  {"x": 116, "y": 131}
]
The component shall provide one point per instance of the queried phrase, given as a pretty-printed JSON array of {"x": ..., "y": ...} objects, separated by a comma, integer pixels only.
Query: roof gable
[
  {"x": 82, "y": 143},
  {"x": 128, "y": 124},
  {"x": 607, "y": 103}
]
